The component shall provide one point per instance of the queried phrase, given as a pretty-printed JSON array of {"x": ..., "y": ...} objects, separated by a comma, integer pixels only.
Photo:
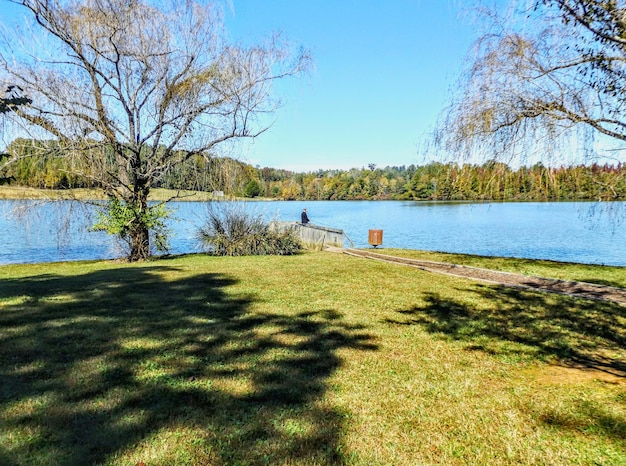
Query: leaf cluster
[{"x": 119, "y": 218}]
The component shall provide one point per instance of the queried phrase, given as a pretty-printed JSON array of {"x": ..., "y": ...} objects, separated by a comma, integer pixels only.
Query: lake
[{"x": 585, "y": 232}]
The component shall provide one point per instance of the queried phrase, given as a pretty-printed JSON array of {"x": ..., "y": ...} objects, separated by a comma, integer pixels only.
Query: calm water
[{"x": 566, "y": 231}]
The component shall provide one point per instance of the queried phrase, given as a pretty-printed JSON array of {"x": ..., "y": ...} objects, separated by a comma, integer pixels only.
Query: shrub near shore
[{"x": 315, "y": 358}]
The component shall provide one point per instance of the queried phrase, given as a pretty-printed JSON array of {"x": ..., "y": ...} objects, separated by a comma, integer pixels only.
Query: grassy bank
[
  {"x": 313, "y": 359},
  {"x": 157, "y": 194}
]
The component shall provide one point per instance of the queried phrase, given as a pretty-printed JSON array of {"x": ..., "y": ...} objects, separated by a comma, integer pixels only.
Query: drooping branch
[{"x": 533, "y": 88}]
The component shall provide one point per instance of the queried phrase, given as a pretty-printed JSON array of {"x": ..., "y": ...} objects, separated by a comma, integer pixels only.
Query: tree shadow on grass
[
  {"x": 549, "y": 326},
  {"x": 522, "y": 324},
  {"x": 95, "y": 366}
]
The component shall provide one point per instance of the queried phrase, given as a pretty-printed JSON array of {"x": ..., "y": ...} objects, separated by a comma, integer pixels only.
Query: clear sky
[{"x": 383, "y": 72}]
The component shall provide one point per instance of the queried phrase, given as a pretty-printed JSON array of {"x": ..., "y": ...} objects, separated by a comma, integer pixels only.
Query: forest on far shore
[{"x": 39, "y": 165}]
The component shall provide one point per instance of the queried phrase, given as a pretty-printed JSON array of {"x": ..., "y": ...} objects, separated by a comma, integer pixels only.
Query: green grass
[
  {"x": 606, "y": 275},
  {"x": 85, "y": 194},
  {"x": 315, "y": 359}
]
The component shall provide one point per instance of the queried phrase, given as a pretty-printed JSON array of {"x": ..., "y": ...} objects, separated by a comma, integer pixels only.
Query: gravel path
[{"x": 578, "y": 289}]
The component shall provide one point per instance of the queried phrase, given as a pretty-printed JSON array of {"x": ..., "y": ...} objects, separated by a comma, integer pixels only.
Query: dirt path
[{"x": 578, "y": 289}]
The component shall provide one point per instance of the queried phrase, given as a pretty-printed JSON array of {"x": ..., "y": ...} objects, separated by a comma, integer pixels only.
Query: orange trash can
[{"x": 375, "y": 237}]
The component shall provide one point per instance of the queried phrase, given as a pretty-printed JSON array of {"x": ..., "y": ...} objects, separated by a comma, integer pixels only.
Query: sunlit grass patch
[{"x": 14, "y": 301}]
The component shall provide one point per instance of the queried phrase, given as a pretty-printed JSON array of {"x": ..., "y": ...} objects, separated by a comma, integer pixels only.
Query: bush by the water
[{"x": 231, "y": 230}]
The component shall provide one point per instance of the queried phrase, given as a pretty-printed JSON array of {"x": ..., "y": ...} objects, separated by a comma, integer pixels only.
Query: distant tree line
[{"x": 39, "y": 164}]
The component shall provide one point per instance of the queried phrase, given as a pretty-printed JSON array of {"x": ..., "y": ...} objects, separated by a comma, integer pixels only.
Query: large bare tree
[
  {"x": 545, "y": 79},
  {"x": 131, "y": 88}
]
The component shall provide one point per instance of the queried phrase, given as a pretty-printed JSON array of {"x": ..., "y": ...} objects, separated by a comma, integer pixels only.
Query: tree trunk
[
  {"x": 140, "y": 243},
  {"x": 139, "y": 231}
]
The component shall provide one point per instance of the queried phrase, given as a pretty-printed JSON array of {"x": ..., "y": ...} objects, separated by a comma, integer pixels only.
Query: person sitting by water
[{"x": 304, "y": 218}]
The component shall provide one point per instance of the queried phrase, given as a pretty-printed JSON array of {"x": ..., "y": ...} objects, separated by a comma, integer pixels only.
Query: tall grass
[
  {"x": 233, "y": 229},
  {"x": 311, "y": 359}
]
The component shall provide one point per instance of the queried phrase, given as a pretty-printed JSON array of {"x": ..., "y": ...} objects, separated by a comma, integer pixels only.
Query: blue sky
[{"x": 383, "y": 72}]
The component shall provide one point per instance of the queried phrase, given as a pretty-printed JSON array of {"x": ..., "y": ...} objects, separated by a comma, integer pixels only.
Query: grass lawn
[
  {"x": 315, "y": 359},
  {"x": 84, "y": 194}
]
